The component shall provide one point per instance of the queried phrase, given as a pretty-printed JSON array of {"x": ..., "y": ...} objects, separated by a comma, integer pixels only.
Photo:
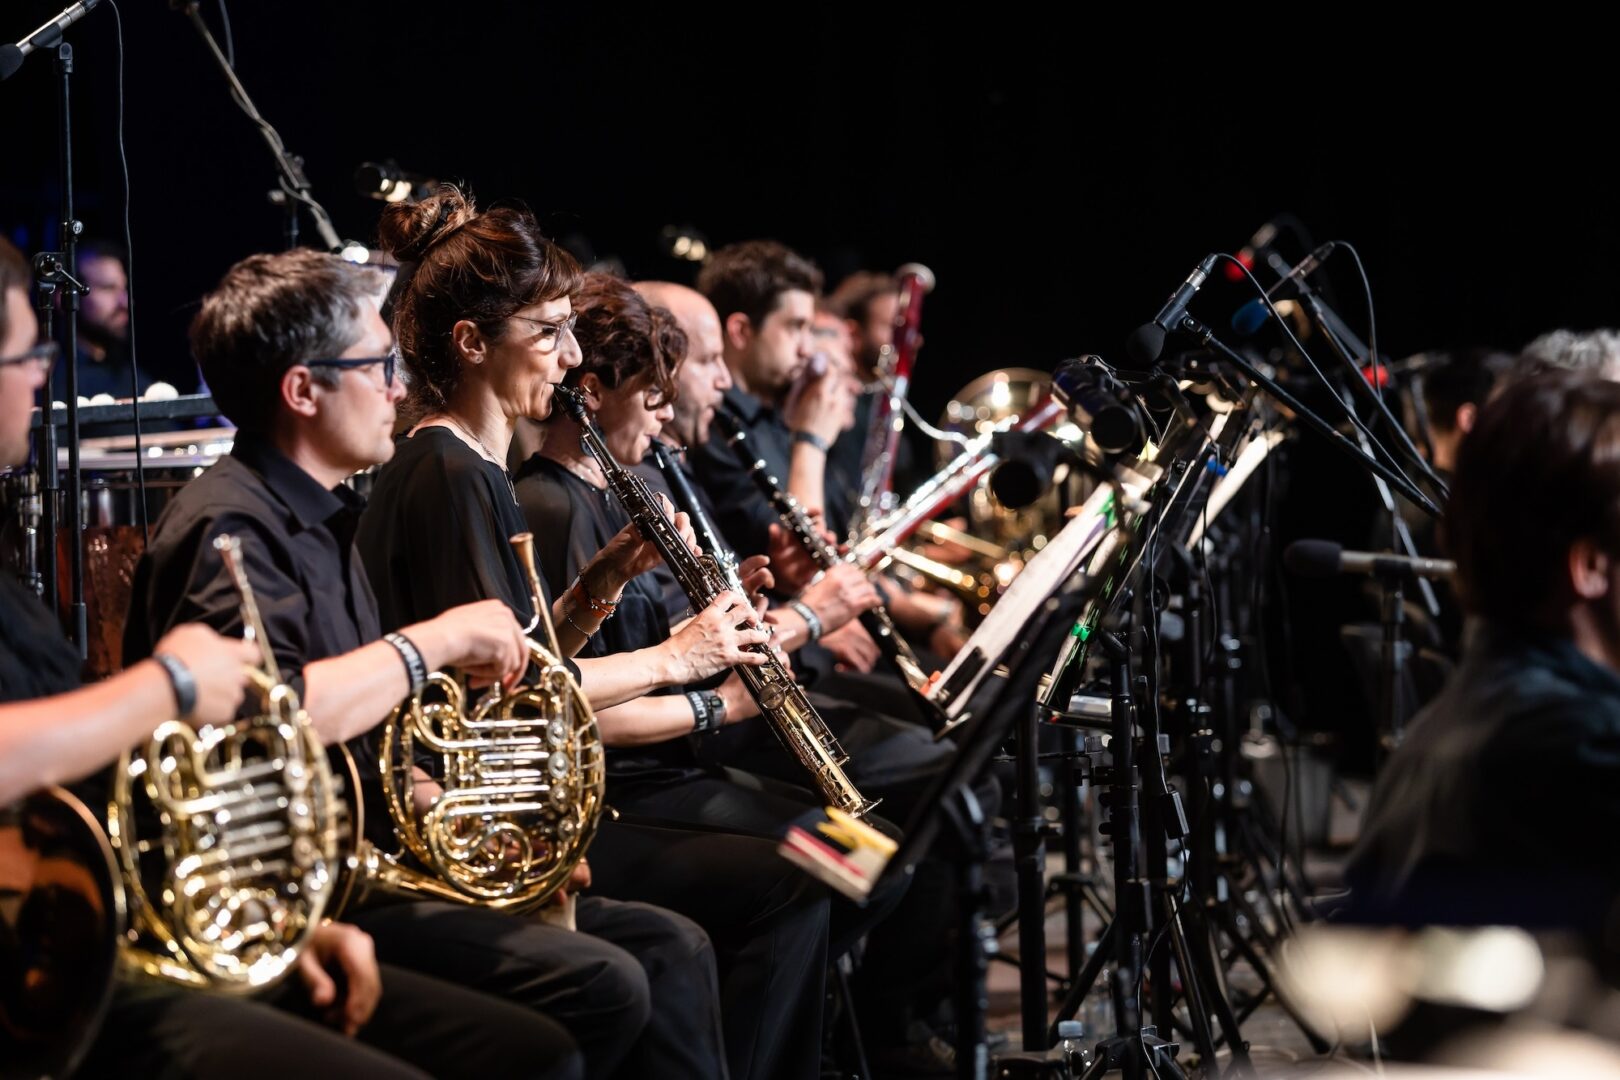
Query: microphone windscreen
[
  {"x": 1017, "y": 484},
  {"x": 1145, "y": 345},
  {"x": 1250, "y": 318},
  {"x": 1312, "y": 558}
]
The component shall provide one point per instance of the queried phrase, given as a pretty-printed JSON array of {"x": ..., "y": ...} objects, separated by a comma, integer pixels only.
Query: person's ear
[
  {"x": 471, "y": 344},
  {"x": 300, "y": 391},
  {"x": 1589, "y": 569},
  {"x": 739, "y": 329},
  {"x": 591, "y": 389}
]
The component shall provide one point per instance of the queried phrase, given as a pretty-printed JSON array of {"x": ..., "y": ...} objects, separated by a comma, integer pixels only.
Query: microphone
[
  {"x": 1260, "y": 241},
  {"x": 12, "y": 56},
  {"x": 1029, "y": 461},
  {"x": 1249, "y": 318},
  {"x": 1099, "y": 403},
  {"x": 1147, "y": 341},
  {"x": 1324, "y": 558}
]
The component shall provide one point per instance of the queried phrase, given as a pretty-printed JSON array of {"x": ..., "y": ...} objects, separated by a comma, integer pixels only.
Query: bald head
[{"x": 702, "y": 378}]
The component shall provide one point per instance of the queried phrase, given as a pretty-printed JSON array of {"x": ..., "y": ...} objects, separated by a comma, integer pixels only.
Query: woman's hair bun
[{"x": 409, "y": 230}]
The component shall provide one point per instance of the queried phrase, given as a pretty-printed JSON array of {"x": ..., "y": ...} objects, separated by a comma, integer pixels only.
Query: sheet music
[{"x": 1041, "y": 577}]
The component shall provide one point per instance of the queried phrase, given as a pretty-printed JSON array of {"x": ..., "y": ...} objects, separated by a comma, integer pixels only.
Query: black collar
[
  {"x": 1555, "y": 652},
  {"x": 309, "y": 502},
  {"x": 746, "y": 405}
]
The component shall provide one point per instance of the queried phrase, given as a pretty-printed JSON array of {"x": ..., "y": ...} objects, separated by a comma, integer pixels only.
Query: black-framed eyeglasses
[
  {"x": 42, "y": 356},
  {"x": 549, "y": 341},
  {"x": 389, "y": 363}
]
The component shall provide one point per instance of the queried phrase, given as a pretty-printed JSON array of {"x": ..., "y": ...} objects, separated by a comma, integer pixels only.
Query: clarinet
[
  {"x": 686, "y": 500},
  {"x": 878, "y": 622},
  {"x": 781, "y": 701}
]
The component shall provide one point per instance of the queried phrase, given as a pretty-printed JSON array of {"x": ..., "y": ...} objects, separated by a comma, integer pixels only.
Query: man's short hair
[
  {"x": 751, "y": 277},
  {"x": 1594, "y": 352},
  {"x": 854, "y": 295},
  {"x": 1462, "y": 377},
  {"x": 270, "y": 312},
  {"x": 1539, "y": 470}
]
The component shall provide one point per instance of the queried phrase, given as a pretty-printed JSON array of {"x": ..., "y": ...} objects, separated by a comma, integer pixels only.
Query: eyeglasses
[
  {"x": 389, "y": 363},
  {"x": 551, "y": 333},
  {"x": 41, "y": 356}
]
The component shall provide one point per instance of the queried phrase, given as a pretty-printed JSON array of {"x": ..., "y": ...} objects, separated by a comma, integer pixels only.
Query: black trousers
[
  {"x": 907, "y": 967},
  {"x": 422, "y": 1028},
  {"x": 766, "y": 920},
  {"x": 635, "y": 984}
]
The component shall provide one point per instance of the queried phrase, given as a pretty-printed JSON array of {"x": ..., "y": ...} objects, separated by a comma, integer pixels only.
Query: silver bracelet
[{"x": 811, "y": 619}]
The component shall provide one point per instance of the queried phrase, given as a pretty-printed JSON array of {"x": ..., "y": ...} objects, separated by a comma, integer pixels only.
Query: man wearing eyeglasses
[{"x": 298, "y": 357}]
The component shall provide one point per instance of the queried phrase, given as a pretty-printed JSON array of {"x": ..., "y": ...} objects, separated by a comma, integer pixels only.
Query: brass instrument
[
  {"x": 989, "y": 400},
  {"x": 781, "y": 701},
  {"x": 913, "y": 281},
  {"x": 524, "y": 781},
  {"x": 942, "y": 489},
  {"x": 61, "y": 920},
  {"x": 796, "y": 520},
  {"x": 229, "y": 837}
]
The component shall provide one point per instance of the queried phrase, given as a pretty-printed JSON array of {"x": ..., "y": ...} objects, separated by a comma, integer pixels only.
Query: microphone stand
[
  {"x": 53, "y": 274},
  {"x": 1206, "y": 336},
  {"x": 293, "y": 186}
]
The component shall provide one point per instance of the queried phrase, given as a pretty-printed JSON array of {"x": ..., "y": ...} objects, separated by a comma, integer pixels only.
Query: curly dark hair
[
  {"x": 751, "y": 277},
  {"x": 458, "y": 263},
  {"x": 625, "y": 341}
]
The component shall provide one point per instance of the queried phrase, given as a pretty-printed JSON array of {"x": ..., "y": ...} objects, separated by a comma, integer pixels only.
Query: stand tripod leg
[
  {"x": 1268, "y": 980},
  {"x": 1084, "y": 982},
  {"x": 1029, "y": 860}
]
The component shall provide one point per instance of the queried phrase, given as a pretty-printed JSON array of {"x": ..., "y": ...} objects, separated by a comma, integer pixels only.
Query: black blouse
[
  {"x": 571, "y": 521},
  {"x": 436, "y": 533}
]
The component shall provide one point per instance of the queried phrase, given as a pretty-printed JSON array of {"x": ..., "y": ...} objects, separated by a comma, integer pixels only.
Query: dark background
[
  {"x": 1059, "y": 177},
  {"x": 1059, "y": 180}
]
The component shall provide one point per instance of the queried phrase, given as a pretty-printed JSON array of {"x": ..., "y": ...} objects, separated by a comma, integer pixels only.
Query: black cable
[
  {"x": 129, "y": 285},
  {"x": 1403, "y": 440},
  {"x": 1390, "y": 459}
]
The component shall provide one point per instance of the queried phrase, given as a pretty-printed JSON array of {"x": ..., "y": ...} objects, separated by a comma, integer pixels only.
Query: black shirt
[
  {"x": 1502, "y": 803},
  {"x": 297, "y": 543},
  {"x": 36, "y": 660},
  {"x": 572, "y": 520},
  {"x": 109, "y": 375},
  {"x": 436, "y": 533},
  {"x": 743, "y": 515}
]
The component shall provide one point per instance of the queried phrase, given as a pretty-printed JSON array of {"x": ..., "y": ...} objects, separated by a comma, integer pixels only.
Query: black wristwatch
[
  {"x": 181, "y": 681},
  {"x": 812, "y": 439}
]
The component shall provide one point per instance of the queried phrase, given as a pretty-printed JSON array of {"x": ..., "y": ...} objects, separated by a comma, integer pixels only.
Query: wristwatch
[{"x": 812, "y": 439}]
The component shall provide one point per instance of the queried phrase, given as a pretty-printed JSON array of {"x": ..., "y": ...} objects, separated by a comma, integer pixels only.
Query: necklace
[
  {"x": 484, "y": 452},
  {"x": 576, "y": 470}
]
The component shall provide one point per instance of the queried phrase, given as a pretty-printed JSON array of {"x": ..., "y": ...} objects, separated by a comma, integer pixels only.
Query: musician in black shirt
[
  {"x": 485, "y": 325},
  {"x": 53, "y": 731},
  {"x": 1499, "y": 804},
  {"x": 299, "y": 358}
]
